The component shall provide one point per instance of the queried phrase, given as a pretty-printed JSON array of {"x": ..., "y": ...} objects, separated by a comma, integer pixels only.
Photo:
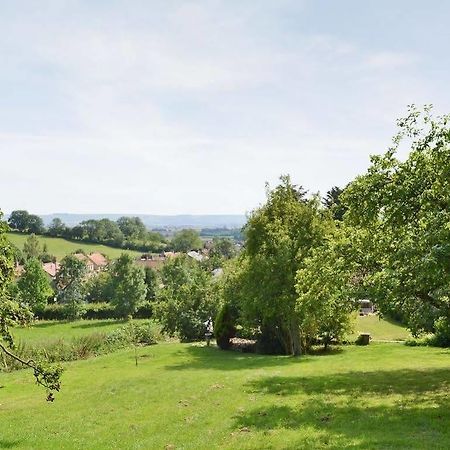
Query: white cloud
[{"x": 191, "y": 107}]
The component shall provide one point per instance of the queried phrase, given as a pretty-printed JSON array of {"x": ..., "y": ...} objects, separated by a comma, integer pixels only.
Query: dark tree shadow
[
  {"x": 204, "y": 358},
  {"x": 382, "y": 383},
  {"x": 417, "y": 415}
]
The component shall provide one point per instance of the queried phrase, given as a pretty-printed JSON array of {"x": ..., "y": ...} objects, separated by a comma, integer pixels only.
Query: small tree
[
  {"x": 186, "y": 300},
  {"x": 34, "y": 286},
  {"x": 225, "y": 326},
  {"x": 32, "y": 247},
  {"x": 129, "y": 289},
  {"x": 70, "y": 285}
]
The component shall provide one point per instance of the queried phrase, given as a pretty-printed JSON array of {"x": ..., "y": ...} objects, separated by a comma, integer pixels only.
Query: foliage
[
  {"x": 132, "y": 227},
  {"x": 223, "y": 247},
  {"x": 34, "y": 285},
  {"x": 99, "y": 287},
  {"x": 151, "y": 282},
  {"x": 327, "y": 290},
  {"x": 403, "y": 207},
  {"x": 225, "y": 326},
  {"x": 95, "y": 343},
  {"x": 128, "y": 282},
  {"x": 11, "y": 314},
  {"x": 70, "y": 285},
  {"x": 57, "y": 228},
  {"x": 32, "y": 247},
  {"x": 187, "y": 299},
  {"x": 22, "y": 221},
  {"x": 186, "y": 240},
  {"x": 92, "y": 311},
  {"x": 332, "y": 202},
  {"x": 280, "y": 235}
]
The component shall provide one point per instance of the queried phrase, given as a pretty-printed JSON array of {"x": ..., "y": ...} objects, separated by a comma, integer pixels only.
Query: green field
[
  {"x": 380, "y": 329},
  {"x": 61, "y": 247},
  {"x": 44, "y": 331},
  {"x": 188, "y": 396}
]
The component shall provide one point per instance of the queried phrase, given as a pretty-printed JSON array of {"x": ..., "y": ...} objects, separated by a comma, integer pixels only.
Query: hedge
[{"x": 92, "y": 311}]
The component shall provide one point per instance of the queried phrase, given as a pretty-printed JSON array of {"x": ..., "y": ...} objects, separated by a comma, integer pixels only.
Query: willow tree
[{"x": 279, "y": 236}]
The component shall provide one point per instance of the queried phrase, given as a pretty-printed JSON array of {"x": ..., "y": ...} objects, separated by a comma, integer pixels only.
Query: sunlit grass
[
  {"x": 61, "y": 247},
  {"x": 186, "y": 396}
]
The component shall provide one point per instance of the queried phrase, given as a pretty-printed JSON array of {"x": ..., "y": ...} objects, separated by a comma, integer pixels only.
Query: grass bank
[
  {"x": 180, "y": 396},
  {"x": 61, "y": 247}
]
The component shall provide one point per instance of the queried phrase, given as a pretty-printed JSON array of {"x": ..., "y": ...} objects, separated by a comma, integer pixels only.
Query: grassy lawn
[
  {"x": 61, "y": 247},
  {"x": 52, "y": 330},
  {"x": 183, "y": 396},
  {"x": 380, "y": 329}
]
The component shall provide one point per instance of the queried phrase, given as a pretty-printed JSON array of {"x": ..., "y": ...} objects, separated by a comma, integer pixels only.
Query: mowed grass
[
  {"x": 45, "y": 331},
  {"x": 380, "y": 329},
  {"x": 188, "y": 396},
  {"x": 61, "y": 247}
]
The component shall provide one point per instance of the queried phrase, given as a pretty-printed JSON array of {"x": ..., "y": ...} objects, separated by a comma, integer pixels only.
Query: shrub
[
  {"x": 225, "y": 326},
  {"x": 91, "y": 311},
  {"x": 84, "y": 346}
]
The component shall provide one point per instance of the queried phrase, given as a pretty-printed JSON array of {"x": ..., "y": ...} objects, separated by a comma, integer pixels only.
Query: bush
[
  {"x": 225, "y": 326},
  {"x": 441, "y": 336},
  {"x": 91, "y": 311},
  {"x": 83, "y": 347}
]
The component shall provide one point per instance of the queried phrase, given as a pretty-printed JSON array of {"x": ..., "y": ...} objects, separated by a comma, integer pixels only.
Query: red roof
[
  {"x": 51, "y": 268},
  {"x": 98, "y": 259}
]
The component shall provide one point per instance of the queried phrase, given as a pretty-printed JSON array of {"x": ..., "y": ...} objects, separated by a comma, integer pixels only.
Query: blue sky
[{"x": 167, "y": 107}]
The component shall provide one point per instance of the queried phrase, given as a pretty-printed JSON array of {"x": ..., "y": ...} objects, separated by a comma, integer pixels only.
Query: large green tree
[
  {"x": 21, "y": 220},
  {"x": 403, "y": 206},
  {"x": 279, "y": 236}
]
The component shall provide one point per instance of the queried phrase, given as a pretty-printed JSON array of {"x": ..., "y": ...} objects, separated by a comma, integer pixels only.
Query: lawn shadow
[
  {"x": 380, "y": 383},
  {"x": 204, "y": 358},
  {"x": 339, "y": 414},
  {"x": 99, "y": 324},
  {"x": 5, "y": 443}
]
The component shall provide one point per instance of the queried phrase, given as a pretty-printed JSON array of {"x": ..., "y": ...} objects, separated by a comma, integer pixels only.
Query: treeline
[
  {"x": 234, "y": 233},
  {"x": 127, "y": 232}
]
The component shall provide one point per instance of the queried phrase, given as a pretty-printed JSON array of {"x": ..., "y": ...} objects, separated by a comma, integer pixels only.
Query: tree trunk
[{"x": 296, "y": 347}]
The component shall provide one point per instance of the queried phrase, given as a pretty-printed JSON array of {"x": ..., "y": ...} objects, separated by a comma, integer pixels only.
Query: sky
[{"x": 180, "y": 107}]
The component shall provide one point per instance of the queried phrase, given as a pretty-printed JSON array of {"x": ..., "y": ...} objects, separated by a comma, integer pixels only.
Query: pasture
[
  {"x": 61, "y": 247},
  {"x": 189, "y": 396},
  {"x": 379, "y": 329}
]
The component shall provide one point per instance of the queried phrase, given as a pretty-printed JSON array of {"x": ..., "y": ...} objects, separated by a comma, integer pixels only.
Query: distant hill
[{"x": 157, "y": 221}]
